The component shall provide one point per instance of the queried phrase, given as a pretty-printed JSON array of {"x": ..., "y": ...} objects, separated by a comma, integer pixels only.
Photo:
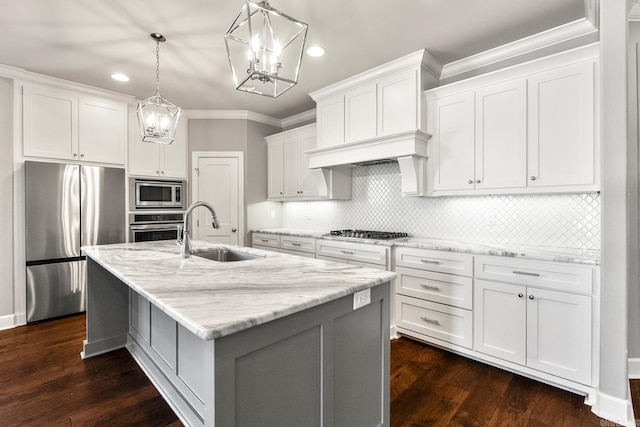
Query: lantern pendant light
[
  {"x": 157, "y": 116},
  {"x": 265, "y": 49}
]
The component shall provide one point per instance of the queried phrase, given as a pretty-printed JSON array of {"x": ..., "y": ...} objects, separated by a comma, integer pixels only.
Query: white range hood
[
  {"x": 409, "y": 149},
  {"x": 377, "y": 116}
]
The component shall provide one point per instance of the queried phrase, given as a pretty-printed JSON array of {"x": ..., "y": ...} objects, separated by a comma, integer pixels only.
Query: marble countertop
[
  {"x": 213, "y": 299},
  {"x": 543, "y": 253}
]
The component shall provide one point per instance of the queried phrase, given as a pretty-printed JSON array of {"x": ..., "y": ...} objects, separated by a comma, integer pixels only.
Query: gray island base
[{"x": 302, "y": 356}]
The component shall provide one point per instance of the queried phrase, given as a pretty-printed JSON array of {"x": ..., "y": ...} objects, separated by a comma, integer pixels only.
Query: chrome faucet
[{"x": 183, "y": 230}]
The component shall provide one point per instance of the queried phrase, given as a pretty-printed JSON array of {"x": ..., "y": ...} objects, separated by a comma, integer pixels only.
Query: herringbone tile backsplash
[{"x": 557, "y": 220}]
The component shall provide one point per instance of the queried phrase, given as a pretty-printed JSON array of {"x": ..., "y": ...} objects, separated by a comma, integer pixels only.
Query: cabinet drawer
[
  {"x": 436, "y": 287},
  {"x": 551, "y": 275},
  {"x": 373, "y": 254},
  {"x": 263, "y": 239},
  {"x": 301, "y": 244},
  {"x": 440, "y": 261},
  {"x": 444, "y": 322},
  {"x": 297, "y": 253}
]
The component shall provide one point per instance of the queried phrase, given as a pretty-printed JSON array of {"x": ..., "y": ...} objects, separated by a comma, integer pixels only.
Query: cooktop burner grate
[{"x": 368, "y": 234}]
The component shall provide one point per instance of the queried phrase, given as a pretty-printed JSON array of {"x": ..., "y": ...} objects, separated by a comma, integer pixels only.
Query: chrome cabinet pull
[
  {"x": 470, "y": 181},
  {"x": 477, "y": 181},
  {"x": 295, "y": 244},
  {"x": 533, "y": 178},
  {"x": 520, "y": 295},
  {"x": 264, "y": 240},
  {"x": 531, "y": 297},
  {"x": 429, "y": 287},
  {"x": 347, "y": 252},
  {"x": 432, "y": 321},
  {"x": 428, "y": 261},
  {"x": 526, "y": 273}
]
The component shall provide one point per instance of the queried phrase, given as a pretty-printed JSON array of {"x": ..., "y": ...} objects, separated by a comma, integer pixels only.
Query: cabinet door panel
[
  {"x": 360, "y": 113},
  {"x": 292, "y": 155},
  {"x": 561, "y": 126},
  {"x": 275, "y": 177},
  {"x": 102, "y": 131},
  {"x": 50, "y": 126},
  {"x": 501, "y": 136},
  {"x": 311, "y": 178},
  {"x": 174, "y": 164},
  {"x": 330, "y": 121},
  {"x": 559, "y": 334},
  {"x": 397, "y": 103},
  {"x": 500, "y": 320},
  {"x": 451, "y": 154}
]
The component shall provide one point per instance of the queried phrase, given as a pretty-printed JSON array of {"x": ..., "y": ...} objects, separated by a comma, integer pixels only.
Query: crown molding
[
  {"x": 305, "y": 116},
  {"x": 29, "y": 77},
  {"x": 579, "y": 28},
  {"x": 233, "y": 115}
]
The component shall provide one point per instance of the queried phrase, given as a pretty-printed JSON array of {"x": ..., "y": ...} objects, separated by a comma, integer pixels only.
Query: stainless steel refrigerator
[{"x": 66, "y": 207}]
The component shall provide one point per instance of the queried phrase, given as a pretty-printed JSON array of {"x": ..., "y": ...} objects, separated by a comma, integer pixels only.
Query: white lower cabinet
[
  {"x": 434, "y": 294},
  {"x": 542, "y": 319},
  {"x": 360, "y": 254},
  {"x": 292, "y": 245}
]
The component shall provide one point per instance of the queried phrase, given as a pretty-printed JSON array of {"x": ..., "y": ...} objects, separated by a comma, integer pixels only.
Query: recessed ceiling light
[
  {"x": 120, "y": 77},
  {"x": 315, "y": 51}
]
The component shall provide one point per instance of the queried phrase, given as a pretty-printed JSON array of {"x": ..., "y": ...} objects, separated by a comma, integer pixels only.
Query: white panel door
[
  {"x": 360, "y": 113},
  {"x": 561, "y": 126},
  {"x": 501, "y": 136},
  {"x": 559, "y": 334},
  {"x": 102, "y": 131},
  {"x": 219, "y": 184},
  {"x": 312, "y": 179},
  {"x": 500, "y": 315},
  {"x": 451, "y": 153}
]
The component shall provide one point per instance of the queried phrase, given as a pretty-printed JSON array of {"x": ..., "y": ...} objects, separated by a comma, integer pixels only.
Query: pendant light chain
[{"x": 157, "y": 67}]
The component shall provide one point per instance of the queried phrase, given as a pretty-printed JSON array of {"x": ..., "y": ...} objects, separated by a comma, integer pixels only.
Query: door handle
[{"x": 233, "y": 230}]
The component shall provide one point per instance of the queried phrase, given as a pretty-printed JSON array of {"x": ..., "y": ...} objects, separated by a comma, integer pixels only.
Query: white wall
[{"x": 6, "y": 203}]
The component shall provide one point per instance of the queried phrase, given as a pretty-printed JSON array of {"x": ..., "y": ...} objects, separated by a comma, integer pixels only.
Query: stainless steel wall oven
[{"x": 146, "y": 227}]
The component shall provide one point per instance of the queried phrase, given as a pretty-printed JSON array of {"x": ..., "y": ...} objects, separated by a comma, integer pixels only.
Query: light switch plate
[{"x": 362, "y": 298}]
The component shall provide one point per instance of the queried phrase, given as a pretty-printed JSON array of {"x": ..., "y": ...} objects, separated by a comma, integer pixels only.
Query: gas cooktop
[{"x": 368, "y": 234}]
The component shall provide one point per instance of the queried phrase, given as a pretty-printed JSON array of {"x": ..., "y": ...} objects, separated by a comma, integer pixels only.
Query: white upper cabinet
[
  {"x": 275, "y": 161},
  {"x": 529, "y": 129},
  {"x": 157, "y": 160},
  {"x": 289, "y": 175},
  {"x": 451, "y": 147},
  {"x": 561, "y": 127},
  {"x": 360, "y": 113},
  {"x": 65, "y": 125}
]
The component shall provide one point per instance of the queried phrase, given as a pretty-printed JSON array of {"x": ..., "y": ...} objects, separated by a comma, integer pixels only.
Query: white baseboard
[
  {"x": 8, "y": 322},
  {"x": 634, "y": 368},
  {"x": 614, "y": 409}
]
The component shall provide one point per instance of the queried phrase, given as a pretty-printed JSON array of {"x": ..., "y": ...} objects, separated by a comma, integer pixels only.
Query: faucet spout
[{"x": 185, "y": 242}]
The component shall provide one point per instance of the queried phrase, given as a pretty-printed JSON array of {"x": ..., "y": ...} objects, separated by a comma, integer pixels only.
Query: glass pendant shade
[
  {"x": 157, "y": 116},
  {"x": 265, "y": 49}
]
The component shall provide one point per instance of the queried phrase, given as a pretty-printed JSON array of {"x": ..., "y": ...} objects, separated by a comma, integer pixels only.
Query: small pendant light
[{"x": 157, "y": 116}]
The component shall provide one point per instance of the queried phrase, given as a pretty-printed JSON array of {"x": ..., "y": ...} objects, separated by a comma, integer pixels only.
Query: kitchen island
[{"x": 274, "y": 340}]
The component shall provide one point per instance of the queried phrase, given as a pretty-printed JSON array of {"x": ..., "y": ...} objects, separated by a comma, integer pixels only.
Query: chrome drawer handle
[
  {"x": 426, "y": 261},
  {"x": 264, "y": 240},
  {"x": 432, "y": 321},
  {"x": 295, "y": 244},
  {"x": 526, "y": 273},
  {"x": 430, "y": 288},
  {"x": 347, "y": 252}
]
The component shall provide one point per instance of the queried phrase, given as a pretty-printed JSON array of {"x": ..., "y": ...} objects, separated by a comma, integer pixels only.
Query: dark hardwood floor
[{"x": 43, "y": 382}]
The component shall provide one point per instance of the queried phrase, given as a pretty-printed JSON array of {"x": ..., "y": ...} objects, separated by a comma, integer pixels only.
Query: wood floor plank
[{"x": 44, "y": 382}]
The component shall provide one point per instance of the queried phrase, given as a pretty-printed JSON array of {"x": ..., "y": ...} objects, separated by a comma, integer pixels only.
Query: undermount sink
[{"x": 225, "y": 255}]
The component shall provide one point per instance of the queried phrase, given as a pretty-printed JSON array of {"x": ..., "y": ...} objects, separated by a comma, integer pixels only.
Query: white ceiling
[{"x": 87, "y": 40}]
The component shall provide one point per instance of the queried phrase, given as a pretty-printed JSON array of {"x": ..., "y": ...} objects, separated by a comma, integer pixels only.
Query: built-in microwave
[{"x": 157, "y": 194}]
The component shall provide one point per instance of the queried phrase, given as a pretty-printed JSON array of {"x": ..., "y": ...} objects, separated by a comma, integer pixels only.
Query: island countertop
[{"x": 213, "y": 299}]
